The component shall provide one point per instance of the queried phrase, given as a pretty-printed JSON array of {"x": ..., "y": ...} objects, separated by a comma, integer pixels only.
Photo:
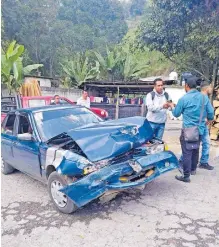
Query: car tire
[
  {"x": 62, "y": 202},
  {"x": 6, "y": 168}
]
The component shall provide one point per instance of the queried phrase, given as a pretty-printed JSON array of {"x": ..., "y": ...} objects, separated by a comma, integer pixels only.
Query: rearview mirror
[{"x": 25, "y": 137}]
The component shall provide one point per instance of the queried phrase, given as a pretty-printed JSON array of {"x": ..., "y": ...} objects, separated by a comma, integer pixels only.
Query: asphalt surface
[{"x": 166, "y": 213}]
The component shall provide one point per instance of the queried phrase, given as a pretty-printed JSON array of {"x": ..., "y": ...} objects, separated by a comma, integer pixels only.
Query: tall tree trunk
[
  {"x": 51, "y": 67},
  {"x": 215, "y": 70}
]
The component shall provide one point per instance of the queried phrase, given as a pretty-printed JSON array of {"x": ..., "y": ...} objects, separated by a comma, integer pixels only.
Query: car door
[
  {"x": 8, "y": 137},
  {"x": 26, "y": 153}
]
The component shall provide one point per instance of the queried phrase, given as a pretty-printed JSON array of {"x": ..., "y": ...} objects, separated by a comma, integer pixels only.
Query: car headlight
[
  {"x": 89, "y": 169},
  {"x": 157, "y": 148},
  {"x": 94, "y": 167}
]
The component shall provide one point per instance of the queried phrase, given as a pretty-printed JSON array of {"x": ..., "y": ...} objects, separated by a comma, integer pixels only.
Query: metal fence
[{"x": 124, "y": 111}]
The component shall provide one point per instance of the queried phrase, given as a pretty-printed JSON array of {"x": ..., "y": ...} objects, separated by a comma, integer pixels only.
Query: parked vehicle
[
  {"x": 10, "y": 103},
  {"x": 80, "y": 156}
]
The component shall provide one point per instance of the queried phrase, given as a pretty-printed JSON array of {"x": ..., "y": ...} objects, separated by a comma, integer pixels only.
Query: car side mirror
[{"x": 25, "y": 137}]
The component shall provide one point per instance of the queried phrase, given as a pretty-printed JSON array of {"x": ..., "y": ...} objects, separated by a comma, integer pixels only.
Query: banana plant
[
  {"x": 79, "y": 69},
  {"x": 133, "y": 69},
  {"x": 12, "y": 70},
  {"x": 110, "y": 63}
]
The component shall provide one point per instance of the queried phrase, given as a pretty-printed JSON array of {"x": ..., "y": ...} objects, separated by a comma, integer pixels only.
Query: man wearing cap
[
  {"x": 195, "y": 108},
  {"x": 206, "y": 90}
]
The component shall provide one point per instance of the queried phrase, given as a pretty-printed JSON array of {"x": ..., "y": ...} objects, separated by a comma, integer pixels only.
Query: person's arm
[
  {"x": 78, "y": 102},
  {"x": 210, "y": 111},
  {"x": 169, "y": 99},
  {"x": 150, "y": 104},
  {"x": 178, "y": 110}
]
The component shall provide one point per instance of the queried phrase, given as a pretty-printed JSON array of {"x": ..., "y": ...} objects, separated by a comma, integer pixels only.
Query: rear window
[
  {"x": 9, "y": 125},
  {"x": 37, "y": 102},
  {"x": 62, "y": 102}
]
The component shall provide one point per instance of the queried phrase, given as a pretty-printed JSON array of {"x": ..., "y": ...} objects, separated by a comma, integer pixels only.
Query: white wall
[
  {"x": 44, "y": 82},
  {"x": 72, "y": 94},
  {"x": 175, "y": 93}
]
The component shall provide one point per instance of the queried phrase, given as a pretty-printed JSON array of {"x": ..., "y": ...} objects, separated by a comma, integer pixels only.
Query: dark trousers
[{"x": 190, "y": 155}]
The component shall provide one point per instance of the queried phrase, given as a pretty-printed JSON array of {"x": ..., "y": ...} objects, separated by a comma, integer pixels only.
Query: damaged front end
[
  {"x": 107, "y": 158},
  {"x": 120, "y": 176}
]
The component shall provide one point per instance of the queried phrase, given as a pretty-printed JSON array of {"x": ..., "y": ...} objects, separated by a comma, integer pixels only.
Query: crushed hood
[{"x": 109, "y": 139}]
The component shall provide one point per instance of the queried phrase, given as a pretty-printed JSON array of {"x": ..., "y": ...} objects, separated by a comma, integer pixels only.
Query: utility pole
[{"x": 117, "y": 104}]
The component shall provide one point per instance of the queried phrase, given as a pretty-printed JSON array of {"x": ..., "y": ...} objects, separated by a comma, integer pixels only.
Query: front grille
[
  {"x": 127, "y": 156},
  {"x": 138, "y": 177}
]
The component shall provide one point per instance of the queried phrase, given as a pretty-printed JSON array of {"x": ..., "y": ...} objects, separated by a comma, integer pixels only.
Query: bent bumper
[{"x": 97, "y": 183}]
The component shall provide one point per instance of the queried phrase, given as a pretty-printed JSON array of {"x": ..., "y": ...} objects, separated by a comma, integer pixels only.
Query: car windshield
[{"x": 56, "y": 121}]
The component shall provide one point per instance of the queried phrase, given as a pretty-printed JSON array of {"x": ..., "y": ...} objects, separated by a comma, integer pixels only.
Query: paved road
[{"x": 165, "y": 213}]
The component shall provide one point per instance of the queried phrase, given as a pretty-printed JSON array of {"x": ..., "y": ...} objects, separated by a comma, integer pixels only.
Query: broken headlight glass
[
  {"x": 95, "y": 166},
  {"x": 155, "y": 148}
]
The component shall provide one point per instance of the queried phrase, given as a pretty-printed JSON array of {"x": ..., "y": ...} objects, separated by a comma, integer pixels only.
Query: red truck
[{"x": 10, "y": 103}]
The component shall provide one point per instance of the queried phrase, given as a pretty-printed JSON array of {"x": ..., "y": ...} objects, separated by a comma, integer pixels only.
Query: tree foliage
[
  {"x": 185, "y": 31},
  {"x": 12, "y": 69},
  {"x": 78, "y": 69},
  {"x": 50, "y": 28}
]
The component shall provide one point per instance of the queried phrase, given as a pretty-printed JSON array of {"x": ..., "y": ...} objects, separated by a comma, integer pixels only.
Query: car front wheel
[
  {"x": 60, "y": 200},
  {"x": 6, "y": 168}
]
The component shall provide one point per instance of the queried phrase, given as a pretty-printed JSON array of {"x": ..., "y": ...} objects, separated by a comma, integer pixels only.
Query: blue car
[{"x": 79, "y": 156}]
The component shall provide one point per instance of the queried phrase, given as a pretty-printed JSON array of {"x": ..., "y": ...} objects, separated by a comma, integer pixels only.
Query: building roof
[{"x": 134, "y": 87}]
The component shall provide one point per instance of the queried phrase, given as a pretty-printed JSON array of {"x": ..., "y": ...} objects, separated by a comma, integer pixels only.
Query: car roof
[{"x": 45, "y": 108}]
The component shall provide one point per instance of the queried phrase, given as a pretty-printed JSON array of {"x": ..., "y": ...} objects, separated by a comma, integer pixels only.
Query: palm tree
[{"x": 110, "y": 63}]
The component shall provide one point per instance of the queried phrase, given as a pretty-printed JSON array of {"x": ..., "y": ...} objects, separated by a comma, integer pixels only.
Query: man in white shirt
[
  {"x": 157, "y": 103},
  {"x": 84, "y": 100}
]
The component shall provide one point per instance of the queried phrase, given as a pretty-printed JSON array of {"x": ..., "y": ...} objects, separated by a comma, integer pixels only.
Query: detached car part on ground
[{"x": 80, "y": 156}]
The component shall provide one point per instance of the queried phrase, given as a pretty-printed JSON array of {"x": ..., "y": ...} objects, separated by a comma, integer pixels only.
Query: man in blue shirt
[
  {"x": 206, "y": 90},
  {"x": 190, "y": 106}
]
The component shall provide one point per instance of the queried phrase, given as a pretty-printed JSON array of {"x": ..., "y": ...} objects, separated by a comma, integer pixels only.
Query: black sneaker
[
  {"x": 193, "y": 172},
  {"x": 206, "y": 166},
  {"x": 183, "y": 179}
]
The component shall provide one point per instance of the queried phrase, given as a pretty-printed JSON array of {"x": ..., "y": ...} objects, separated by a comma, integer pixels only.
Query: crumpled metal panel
[
  {"x": 97, "y": 183},
  {"x": 65, "y": 161},
  {"x": 72, "y": 164},
  {"x": 109, "y": 139}
]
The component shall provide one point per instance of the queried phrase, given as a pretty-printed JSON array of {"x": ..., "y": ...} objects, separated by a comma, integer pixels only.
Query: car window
[
  {"x": 24, "y": 125},
  {"x": 9, "y": 125},
  {"x": 62, "y": 101},
  {"x": 36, "y": 102},
  {"x": 51, "y": 123}
]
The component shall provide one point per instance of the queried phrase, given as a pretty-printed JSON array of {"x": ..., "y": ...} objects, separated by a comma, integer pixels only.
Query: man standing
[
  {"x": 84, "y": 100},
  {"x": 206, "y": 90},
  {"x": 157, "y": 105},
  {"x": 195, "y": 108}
]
